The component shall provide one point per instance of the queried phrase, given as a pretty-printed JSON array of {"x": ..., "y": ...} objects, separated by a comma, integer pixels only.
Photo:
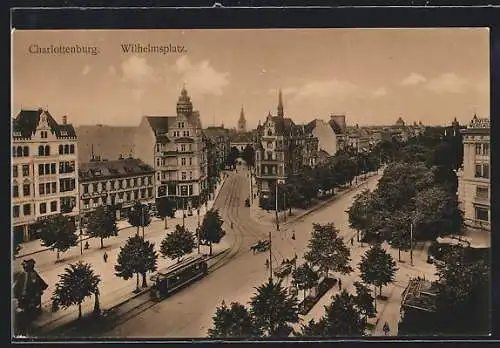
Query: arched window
[
  {"x": 47, "y": 150},
  {"x": 66, "y": 149},
  {"x": 40, "y": 150},
  {"x": 269, "y": 132},
  {"x": 61, "y": 149},
  {"x": 26, "y": 151},
  {"x": 72, "y": 148}
]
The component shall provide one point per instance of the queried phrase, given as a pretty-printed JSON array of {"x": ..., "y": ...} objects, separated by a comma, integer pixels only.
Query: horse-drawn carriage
[{"x": 260, "y": 246}]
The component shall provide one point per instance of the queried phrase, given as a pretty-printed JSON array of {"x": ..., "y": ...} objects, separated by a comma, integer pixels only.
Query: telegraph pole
[
  {"x": 277, "y": 218},
  {"x": 411, "y": 244}
]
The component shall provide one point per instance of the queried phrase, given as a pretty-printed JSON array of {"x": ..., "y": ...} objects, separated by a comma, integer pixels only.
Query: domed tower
[
  {"x": 242, "y": 122},
  {"x": 184, "y": 104}
]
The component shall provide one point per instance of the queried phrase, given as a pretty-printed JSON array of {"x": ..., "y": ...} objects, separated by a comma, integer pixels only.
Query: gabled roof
[
  {"x": 100, "y": 170},
  {"x": 213, "y": 132},
  {"x": 26, "y": 122}
]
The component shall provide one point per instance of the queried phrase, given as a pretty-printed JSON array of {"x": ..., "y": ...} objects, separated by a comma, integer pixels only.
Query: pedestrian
[
  {"x": 352, "y": 241},
  {"x": 86, "y": 245},
  {"x": 267, "y": 263},
  {"x": 105, "y": 257},
  {"x": 386, "y": 328},
  {"x": 340, "y": 284}
]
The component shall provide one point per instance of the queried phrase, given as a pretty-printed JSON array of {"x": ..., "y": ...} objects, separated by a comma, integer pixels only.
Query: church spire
[
  {"x": 242, "y": 123},
  {"x": 280, "y": 104}
]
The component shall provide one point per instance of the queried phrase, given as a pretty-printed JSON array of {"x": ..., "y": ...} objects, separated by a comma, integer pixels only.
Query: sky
[{"x": 373, "y": 76}]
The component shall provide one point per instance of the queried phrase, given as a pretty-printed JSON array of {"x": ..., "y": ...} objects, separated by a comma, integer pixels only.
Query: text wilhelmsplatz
[{"x": 156, "y": 49}]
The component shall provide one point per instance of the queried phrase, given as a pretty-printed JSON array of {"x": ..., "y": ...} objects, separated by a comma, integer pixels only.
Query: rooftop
[
  {"x": 102, "y": 169},
  {"x": 26, "y": 122},
  {"x": 420, "y": 294}
]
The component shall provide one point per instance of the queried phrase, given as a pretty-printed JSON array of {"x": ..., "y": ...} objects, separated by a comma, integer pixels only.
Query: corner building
[
  {"x": 474, "y": 187},
  {"x": 44, "y": 170},
  {"x": 174, "y": 146},
  {"x": 282, "y": 150}
]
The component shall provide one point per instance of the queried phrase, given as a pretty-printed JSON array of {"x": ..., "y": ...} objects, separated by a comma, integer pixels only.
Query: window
[
  {"x": 47, "y": 150},
  {"x": 128, "y": 182},
  {"x": 43, "y": 208},
  {"x": 183, "y": 176},
  {"x": 190, "y": 147},
  {"x": 52, "y": 168},
  {"x": 41, "y": 150},
  {"x": 66, "y": 149},
  {"x": 190, "y": 175},
  {"x": 128, "y": 196},
  {"x": 94, "y": 187},
  {"x": 27, "y": 209},
  {"x": 86, "y": 188},
  {"x": 61, "y": 149},
  {"x": 41, "y": 170},
  {"x": 486, "y": 149},
  {"x": 95, "y": 202},
  {"x": 54, "y": 187},
  {"x": 482, "y": 170},
  {"x": 41, "y": 189},
  {"x": 157, "y": 162},
  {"x": 112, "y": 184},
  {"x": 190, "y": 161},
  {"x": 44, "y": 135},
  {"x": 190, "y": 190},
  {"x": 15, "y": 191},
  {"x": 26, "y": 170},
  {"x": 26, "y": 189},
  {"x": 47, "y": 188},
  {"x": 183, "y": 161},
  {"x": 135, "y": 182},
  {"x": 150, "y": 192},
  {"x": 157, "y": 147},
  {"x": 19, "y": 151},
  {"x": 15, "y": 211},
  {"x": 478, "y": 149},
  {"x": 143, "y": 181},
  {"x": 47, "y": 168},
  {"x": 26, "y": 151},
  {"x": 53, "y": 206},
  {"x": 183, "y": 148},
  {"x": 269, "y": 155},
  {"x": 72, "y": 148},
  {"x": 15, "y": 172},
  {"x": 482, "y": 214},
  {"x": 481, "y": 192}
]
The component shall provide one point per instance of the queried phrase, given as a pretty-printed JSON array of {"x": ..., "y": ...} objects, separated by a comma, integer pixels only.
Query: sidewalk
[
  {"x": 113, "y": 290},
  {"x": 387, "y": 310},
  {"x": 268, "y": 218}
]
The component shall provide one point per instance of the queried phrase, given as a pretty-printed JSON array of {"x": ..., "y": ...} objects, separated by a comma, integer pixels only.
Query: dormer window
[
  {"x": 43, "y": 134},
  {"x": 269, "y": 132},
  {"x": 64, "y": 133}
]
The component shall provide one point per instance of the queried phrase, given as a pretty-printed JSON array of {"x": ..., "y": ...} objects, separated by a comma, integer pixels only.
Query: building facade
[
  {"x": 327, "y": 138},
  {"x": 474, "y": 187},
  {"x": 174, "y": 146},
  {"x": 118, "y": 184},
  {"x": 218, "y": 147},
  {"x": 283, "y": 149},
  {"x": 44, "y": 170}
]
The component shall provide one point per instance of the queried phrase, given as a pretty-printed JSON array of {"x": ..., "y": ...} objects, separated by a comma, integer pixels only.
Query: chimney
[{"x": 65, "y": 119}]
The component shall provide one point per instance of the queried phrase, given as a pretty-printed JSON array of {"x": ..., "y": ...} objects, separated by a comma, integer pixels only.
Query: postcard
[{"x": 250, "y": 184}]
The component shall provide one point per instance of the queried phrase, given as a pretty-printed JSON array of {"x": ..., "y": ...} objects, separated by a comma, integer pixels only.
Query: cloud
[
  {"x": 284, "y": 91},
  {"x": 201, "y": 78},
  {"x": 86, "y": 70},
  {"x": 137, "y": 70},
  {"x": 483, "y": 87},
  {"x": 447, "y": 83},
  {"x": 413, "y": 79},
  {"x": 137, "y": 93},
  {"x": 112, "y": 70},
  {"x": 336, "y": 89},
  {"x": 379, "y": 92}
]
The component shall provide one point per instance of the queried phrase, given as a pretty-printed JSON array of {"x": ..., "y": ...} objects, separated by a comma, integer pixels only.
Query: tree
[
  {"x": 211, "y": 228},
  {"x": 137, "y": 256},
  {"x": 437, "y": 213},
  {"x": 177, "y": 244},
  {"x": 377, "y": 267},
  {"x": 464, "y": 286},
  {"x": 102, "y": 224},
  {"x": 233, "y": 322},
  {"x": 342, "y": 318},
  {"x": 360, "y": 211},
  {"x": 57, "y": 232},
  {"x": 166, "y": 208},
  {"x": 77, "y": 283},
  {"x": 139, "y": 216},
  {"x": 305, "y": 278},
  {"x": 327, "y": 250},
  {"x": 248, "y": 155},
  {"x": 233, "y": 155},
  {"x": 364, "y": 301},
  {"x": 273, "y": 309}
]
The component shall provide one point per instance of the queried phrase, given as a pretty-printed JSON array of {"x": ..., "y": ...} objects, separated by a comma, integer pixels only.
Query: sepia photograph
[{"x": 250, "y": 184}]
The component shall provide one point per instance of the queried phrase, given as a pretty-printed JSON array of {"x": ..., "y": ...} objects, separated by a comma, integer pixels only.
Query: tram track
[{"x": 231, "y": 204}]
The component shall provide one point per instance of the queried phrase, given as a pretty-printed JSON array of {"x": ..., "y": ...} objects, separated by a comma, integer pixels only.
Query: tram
[{"x": 172, "y": 278}]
